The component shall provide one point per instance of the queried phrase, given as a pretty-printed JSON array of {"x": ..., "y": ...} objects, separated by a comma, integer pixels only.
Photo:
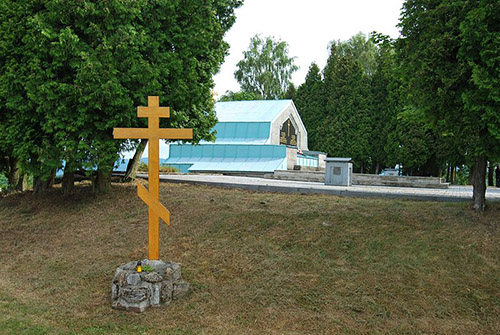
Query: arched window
[{"x": 288, "y": 134}]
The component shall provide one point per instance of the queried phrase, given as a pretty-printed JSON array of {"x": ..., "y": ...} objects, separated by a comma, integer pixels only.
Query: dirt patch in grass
[{"x": 258, "y": 263}]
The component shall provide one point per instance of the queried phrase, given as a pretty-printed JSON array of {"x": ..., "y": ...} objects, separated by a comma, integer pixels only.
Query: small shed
[{"x": 338, "y": 171}]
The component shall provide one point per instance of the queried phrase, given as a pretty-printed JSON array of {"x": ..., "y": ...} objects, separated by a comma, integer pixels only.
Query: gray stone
[
  {"x": 176, "y": 275},
  {"x": 121, "y": 278},
  {"x": 180, "y": 290},
  {"x": 134, "y": 295},
  {"x": 167, "y": 290},
  {"x": 151, "y": 277},
  {"x": 114, "y": 291},
  {"x": 155, "y": 295},
  {"x": 136, "y": 292},
  {"x": 168, "y": 273},
  {"x": 133, "y": 279}
]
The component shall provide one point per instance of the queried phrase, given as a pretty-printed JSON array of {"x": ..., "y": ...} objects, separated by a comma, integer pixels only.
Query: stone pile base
[{"x": 157, "y": 287}]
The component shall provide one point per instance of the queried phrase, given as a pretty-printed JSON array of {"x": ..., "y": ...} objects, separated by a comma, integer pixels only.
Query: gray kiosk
[{"x": 338, "y": 171}]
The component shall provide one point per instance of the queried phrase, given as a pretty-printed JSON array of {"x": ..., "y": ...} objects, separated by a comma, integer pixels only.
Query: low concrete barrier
[
  {"x": 402, "y": 181},
  {"x": 299, "y": 175},
  {"x": 362, "y": 179}
]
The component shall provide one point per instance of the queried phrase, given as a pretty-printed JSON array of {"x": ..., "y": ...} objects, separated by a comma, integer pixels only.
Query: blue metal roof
[
  {"x": 250, "y": 111},
  {"x": 242, "y": 133}
]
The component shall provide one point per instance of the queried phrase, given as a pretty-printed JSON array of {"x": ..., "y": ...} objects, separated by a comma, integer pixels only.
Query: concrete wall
[
  {"x": 289, "y": 113},
  {"x": 363, "y": 179},
  {"x": 405, "y": 181},
  {"x": 291, "y": 158},
  {"x": 313, "y": 176},
  {"x": 321, "y": 161}
]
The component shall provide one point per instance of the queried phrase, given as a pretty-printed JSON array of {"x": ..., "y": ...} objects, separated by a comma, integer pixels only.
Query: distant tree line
[
  {"x": 427, "y": 107},
  {"x": 355, "y": 108},
  {"x": 428, "y": 101}
]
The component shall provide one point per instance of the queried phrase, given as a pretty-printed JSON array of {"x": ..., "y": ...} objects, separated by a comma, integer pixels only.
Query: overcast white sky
[{"x": 307, "y": 26}]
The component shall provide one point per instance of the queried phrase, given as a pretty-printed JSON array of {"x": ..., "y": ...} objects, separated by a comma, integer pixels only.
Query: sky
[{"x": 308, "y": 26}]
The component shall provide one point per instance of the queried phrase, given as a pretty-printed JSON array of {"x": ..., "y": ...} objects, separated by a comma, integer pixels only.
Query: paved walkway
[{"x": 454, "y": 193}]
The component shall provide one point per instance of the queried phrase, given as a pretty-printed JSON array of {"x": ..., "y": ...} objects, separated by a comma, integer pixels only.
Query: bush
[
  {"x": 4, "y": 182},
  {"x": 166, "y": 168},
  {"x": 143, "y": 167},
  {"x": 463, "y": 175}
]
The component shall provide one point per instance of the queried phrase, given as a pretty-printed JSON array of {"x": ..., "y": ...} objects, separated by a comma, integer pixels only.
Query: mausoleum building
[{"x": 251, "y": 136}]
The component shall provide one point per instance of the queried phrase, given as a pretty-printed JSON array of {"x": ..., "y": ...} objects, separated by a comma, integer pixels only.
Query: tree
[
  {"x": 71, "y": 71},
  {"x": 266, "y": 69},
  {"x": 384, "y": 99},
  {"x": 363, "y": 50},
  {"x": 291, "y": 92},
  {"x": 239, "y": 96},
  {"x": 311, "y": 106},
  {"x": 449, "y": 52},
  {"x": 346, "y": 128},
  {"x": 410, "y": 143}
]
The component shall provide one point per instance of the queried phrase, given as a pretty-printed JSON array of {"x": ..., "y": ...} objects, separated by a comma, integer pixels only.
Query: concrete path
[{"x": 454, "y": 193}]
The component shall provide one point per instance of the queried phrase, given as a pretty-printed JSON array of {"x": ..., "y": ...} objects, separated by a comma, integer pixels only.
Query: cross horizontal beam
[
  {"x": 152, "y": 133},
  {"x": 153, "y": 111}
]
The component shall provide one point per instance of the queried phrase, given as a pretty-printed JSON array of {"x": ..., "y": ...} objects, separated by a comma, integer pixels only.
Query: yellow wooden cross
[{"x": 151, "y": 196}]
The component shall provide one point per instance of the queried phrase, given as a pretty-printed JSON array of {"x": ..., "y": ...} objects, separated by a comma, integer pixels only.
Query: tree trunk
[
  {"x": 133, "y": 164},
  {"x": 52, "y": 178},
  {"x": 377, "y": 167},
  {"x": 13, "y": 174},
  {"x": 68, "y": 180},
  {"x": 497, "y": 175},
  {"x": 479, "y": 184},
  {"x": 101, "y": 181},
  {"x": 490, "y": 174},
  {"x": 40, "y": 185},
  {"x": 22, "y": 183}
]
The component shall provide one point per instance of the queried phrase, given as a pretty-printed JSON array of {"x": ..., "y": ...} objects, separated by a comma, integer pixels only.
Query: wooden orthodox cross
[{"x": 151, "y": 196}]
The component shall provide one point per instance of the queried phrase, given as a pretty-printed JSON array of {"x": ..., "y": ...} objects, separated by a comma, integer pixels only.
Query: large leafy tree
[
  {"x": 363, "y": 50},
  {"x": 266, "y": 68},
  {"x": 72, "y": 70},
  {"x": 346, "y": 128},
  {"x": 352, "y": 110},
  {"x": 410, "y": 142},
  {"x": 450, "y": 53},
  {"x": 311, "y": 106},
  {"x": 239, "y": 96},
  {"x": 385, "y": 101}
]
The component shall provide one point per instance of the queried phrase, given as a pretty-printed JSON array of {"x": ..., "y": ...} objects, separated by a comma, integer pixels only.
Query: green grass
[{"x": 257, "y": 263}]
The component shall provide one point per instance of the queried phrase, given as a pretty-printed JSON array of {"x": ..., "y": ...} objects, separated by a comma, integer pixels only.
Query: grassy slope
[{"x": 257, "y": 263}]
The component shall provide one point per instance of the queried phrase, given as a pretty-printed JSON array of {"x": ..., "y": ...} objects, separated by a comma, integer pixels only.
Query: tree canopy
[
  {"x": 239, "y": 96},
  {"x": 266, "y": 68},
  {"x": 70, "y": 71},
  {"x": 449, "y": 52}
]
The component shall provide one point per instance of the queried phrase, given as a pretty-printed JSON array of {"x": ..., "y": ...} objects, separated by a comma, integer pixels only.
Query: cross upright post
[{"x": 151, "y": 196}]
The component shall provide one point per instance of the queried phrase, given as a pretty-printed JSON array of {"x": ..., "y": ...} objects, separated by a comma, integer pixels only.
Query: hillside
[{"x": 257, "y": 263}]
